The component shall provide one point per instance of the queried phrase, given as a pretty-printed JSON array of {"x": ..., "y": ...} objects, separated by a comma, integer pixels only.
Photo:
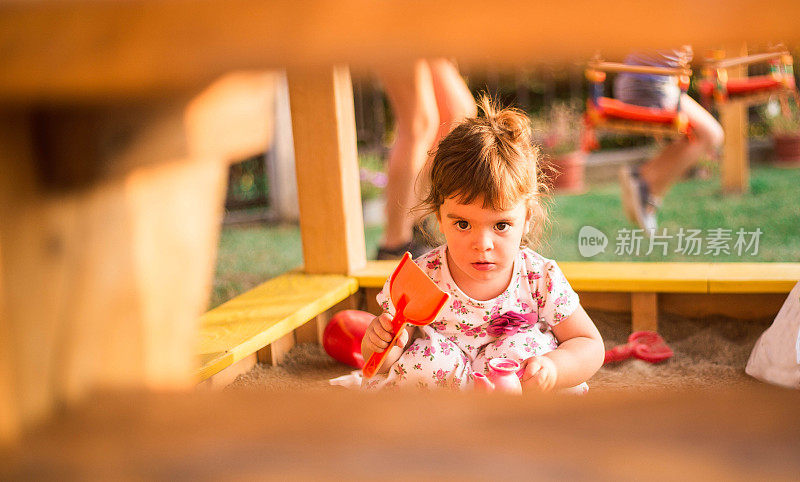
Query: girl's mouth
[{"x": 483, "y": 266}]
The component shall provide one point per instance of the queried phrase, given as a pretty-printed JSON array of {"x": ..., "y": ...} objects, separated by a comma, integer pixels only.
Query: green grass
[
  {"x": 249, "y": 255},
  {"x": 772, "y": 206}
]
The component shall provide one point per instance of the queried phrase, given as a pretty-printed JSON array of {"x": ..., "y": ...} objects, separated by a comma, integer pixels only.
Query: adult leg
[
  {"x": 454, "y": 100},
  {"x": 411, "y": 94},
  {"x": 662, "y": 171}
]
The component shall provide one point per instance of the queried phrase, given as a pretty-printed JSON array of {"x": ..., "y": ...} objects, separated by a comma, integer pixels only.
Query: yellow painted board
[
  {"x": 637, "y": 277},
  {"x": 260, "y": 316},
  {"x": 594, "y": 276},
  {"x": 753, "y": 277},
  {"x": 375, "y": 274}
]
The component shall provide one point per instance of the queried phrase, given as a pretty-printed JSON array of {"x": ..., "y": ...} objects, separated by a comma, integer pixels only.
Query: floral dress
[{"x": 467, "y": 333}]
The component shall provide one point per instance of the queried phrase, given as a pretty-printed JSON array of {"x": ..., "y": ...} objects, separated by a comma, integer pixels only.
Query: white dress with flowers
[{"x": 467, "y": 333}]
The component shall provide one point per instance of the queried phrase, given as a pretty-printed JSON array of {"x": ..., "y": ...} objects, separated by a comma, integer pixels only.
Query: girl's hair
[{"x": 489, "y": 157}]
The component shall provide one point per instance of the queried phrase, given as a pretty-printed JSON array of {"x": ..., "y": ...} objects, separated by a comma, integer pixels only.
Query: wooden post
[
  {"x": 102, "y": 283},
  {"x": 275, "y": 352},
  {"x": 280, "y": 159},
  {"x": 735, "y": 159},
  {"x": 323, "y": 125},
  {"x": 311, "y": 331},
  {"x": 644, "y": 311}
]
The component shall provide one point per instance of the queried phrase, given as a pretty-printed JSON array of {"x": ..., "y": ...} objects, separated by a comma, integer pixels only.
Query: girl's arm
[
  {"x": 377, "y": 338},
  {"x": 579, "y": 355}
]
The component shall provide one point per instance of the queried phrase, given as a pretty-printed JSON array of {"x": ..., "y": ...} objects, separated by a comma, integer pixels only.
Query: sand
[{"x": 709, "y": 352}]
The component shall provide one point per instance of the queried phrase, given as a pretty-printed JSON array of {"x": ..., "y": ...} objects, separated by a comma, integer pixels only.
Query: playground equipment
[
  {"x": 604, "y": 113},
  {"x": 103, "y": 281},
  {"x": 726, "y": 83},
  {"x": 719, "y": 86}
]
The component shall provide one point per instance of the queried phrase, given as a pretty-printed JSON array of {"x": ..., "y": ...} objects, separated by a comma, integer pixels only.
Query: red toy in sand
[
  {"x": 644, "y": 345},
  {"x": 343, "y": 334}
]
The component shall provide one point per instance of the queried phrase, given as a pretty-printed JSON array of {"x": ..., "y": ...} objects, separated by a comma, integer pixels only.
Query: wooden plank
[
  {"x": 375, "y": 273},
  {"x": 99, "y": 49},
  {"x": 614, "y": 302},
  {"x": 617, "y": 67},
  {"x": 637, "y": 277},
  {"x": 753, "y": 277},
  {"x": 311, "y": 331},
  {"x": 679, "y": 435},
  {"x": 328, "y": 185},
  {"x": 103, "y": 286},
  {"x": 605, "y": 277},
  {"x": 372, "y": 303},
  {"x": 232, "y": 119},
  {"x": 79, "y": 145},
  {"x": 644, "y": 311},
  {"x": 740, "y": 306},
  {"x": 746, "y": 59},
  {"x": 228, "y": 375},
  {"x": 264, "y": 314},
  {"x": 274, "y": 353},
  {"x": 595, "y": 276}
]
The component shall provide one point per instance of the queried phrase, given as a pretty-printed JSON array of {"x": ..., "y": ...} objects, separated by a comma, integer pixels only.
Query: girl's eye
[
  {"x": 502, "y": 226},
  {"x": 462, "y": 225}
]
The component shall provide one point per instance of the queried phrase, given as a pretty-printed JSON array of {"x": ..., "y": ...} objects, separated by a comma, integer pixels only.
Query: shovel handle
[{"x": 376, "y": 359}]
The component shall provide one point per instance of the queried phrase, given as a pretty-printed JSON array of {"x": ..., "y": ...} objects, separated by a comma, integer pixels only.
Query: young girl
[{"x": 505, "y": 299}]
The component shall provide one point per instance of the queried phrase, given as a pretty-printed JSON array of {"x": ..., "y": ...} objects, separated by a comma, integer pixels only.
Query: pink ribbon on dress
[{"x": 510, "y": 323}]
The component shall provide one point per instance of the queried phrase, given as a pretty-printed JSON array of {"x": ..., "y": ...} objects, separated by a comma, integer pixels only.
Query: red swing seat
[
  {"x": 750, "y": 90},
  {"x": 611, "y": 114},
  {"x": 615, "y": 109},
  {"x": 744, "y": 86}
]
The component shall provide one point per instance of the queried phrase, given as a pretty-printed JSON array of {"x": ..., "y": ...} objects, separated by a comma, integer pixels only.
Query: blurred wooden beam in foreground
[
  {"x": 744, "y": 434},
  {"x": 60, "y": 49}
]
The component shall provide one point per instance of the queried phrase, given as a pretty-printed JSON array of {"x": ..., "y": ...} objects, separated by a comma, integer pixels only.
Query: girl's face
[{"x": 482, "y": 244}]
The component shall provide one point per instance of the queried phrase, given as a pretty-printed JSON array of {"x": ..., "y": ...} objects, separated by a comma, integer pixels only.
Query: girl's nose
[{"x": 483, "y": 241}]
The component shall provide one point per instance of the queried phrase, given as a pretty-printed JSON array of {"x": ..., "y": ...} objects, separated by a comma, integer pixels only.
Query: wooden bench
[
  {"x": 745, "y": 289},
  {"x": 265, "y": 322}
]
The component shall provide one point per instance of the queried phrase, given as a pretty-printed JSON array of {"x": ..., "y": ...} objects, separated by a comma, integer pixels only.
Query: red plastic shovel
[
  {"x": 417, "y": 300},
  {"x": 644, "y": 345}
]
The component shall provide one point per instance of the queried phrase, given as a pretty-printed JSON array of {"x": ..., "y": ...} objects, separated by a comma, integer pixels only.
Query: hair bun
[{"x": 509, "y": 123}]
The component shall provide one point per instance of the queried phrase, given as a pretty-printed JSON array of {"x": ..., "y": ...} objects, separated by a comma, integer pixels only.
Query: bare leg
[
  {"x": 453, "y": 98},
  {"x": 662, "y": 171},
  {"x": 454, "y": 101},
  {"x": 410, "y": 91}
]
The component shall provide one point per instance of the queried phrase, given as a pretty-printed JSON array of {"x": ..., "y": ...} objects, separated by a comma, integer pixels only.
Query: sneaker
[{"x": 640, "y": 206}]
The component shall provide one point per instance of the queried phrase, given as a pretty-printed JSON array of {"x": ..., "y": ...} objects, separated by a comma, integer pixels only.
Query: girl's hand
[
  {"x": 540, "y": 372},
  {"x": 379, "y": 334}
]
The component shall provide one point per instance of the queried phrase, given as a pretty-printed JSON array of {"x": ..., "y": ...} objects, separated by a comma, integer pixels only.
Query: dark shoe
[
  {"x": 417, "y": 247},
  {"x": 385, "y": 253},
  {"x": 640, "y": 206}
]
